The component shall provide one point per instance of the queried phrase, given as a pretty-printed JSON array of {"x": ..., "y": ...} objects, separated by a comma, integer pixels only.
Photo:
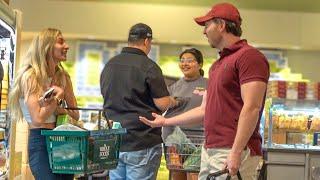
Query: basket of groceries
[{"x": 75, "y": 150}]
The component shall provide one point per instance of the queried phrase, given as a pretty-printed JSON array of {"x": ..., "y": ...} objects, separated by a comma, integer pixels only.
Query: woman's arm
[
  {"x": 70, "y": 99},
  {"x": 40, "y": 110}
]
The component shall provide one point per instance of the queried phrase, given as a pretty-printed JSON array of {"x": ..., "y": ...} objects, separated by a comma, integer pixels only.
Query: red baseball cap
[{"x": 222, "y": 10}]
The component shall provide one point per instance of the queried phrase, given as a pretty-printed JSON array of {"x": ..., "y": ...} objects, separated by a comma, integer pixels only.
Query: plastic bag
[
  {"x": 179, "y": 138},
  {"x": 68, "y": 127}
]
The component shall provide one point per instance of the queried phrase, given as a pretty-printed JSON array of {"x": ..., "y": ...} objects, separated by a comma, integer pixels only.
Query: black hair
[
  {"x": 197, "y": 54},
  {"x": 231, "y": 27}
]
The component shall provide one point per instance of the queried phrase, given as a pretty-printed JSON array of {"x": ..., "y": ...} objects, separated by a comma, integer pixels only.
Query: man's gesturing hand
[{"x": 157, "y": 122}]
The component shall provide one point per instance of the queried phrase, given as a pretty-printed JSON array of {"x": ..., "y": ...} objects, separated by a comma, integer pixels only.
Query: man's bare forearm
[
  {"x": 247, "y": 123},
  {"x": 193, "y": 116}
]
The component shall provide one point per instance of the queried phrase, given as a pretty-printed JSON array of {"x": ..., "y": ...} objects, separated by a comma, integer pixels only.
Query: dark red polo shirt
[{"x": 238, "y": 64}]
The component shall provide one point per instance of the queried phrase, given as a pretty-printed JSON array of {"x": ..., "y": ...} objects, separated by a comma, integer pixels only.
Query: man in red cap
[{"x": 234, "y": 101}]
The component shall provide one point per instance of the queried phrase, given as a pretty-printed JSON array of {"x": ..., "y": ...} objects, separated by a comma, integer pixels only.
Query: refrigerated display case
[
  {"x": 9, "y": 33},
  {"x": 291, "y": 145}
]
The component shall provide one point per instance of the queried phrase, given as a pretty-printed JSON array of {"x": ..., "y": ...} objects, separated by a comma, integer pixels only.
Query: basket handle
[
  {"x": 104, "y": 113},
  {"x": 221, "y": 172},
  {"x": 217, "y": 174}
]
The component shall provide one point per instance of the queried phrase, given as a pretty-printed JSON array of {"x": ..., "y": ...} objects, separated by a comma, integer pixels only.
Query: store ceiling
[{"x": 277, "y": 5}]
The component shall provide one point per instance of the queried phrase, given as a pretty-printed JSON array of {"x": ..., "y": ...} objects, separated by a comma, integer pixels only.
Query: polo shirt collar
[
  {"x": 233, "y": 48},
  {"x": 133, "y": 51}
]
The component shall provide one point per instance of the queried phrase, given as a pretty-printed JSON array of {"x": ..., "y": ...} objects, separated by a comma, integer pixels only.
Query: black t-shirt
[{"x": 129, "y": 82}]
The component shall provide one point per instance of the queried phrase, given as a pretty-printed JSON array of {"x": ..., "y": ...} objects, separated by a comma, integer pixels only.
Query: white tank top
[{"x": 27, "y": 116}]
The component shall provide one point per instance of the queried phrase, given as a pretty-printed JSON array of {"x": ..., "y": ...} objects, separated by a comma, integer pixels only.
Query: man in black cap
[{"x": 132, "y": 85}]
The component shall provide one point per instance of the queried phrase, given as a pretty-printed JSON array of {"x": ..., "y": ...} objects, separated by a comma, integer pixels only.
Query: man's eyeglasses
[{"x": 187, "y": 60}]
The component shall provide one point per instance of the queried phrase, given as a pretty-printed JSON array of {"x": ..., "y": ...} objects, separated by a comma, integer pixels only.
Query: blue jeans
[
  {"x": 142, "y": 164},
  {"x": 39, "y": 160}
]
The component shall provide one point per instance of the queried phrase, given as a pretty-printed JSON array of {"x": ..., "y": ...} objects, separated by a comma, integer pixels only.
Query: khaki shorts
[{"x": 212, "y": 160}]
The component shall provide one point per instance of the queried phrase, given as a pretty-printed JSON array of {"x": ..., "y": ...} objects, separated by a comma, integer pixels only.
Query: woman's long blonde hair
[{"x": 33, "y": 73}]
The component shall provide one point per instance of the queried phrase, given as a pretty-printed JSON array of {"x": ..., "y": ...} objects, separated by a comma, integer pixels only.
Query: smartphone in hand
[{"x": 48, "y": 93}]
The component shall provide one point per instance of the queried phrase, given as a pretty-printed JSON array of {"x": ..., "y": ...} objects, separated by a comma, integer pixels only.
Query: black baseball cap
[{"x": 140, "y": 31}]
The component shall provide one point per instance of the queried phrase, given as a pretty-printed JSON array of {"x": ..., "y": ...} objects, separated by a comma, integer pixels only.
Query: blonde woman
[{"x": 40, "y": 71}]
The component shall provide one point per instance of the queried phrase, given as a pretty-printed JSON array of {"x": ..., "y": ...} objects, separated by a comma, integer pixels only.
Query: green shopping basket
[{"x": 83, "y": 152}]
